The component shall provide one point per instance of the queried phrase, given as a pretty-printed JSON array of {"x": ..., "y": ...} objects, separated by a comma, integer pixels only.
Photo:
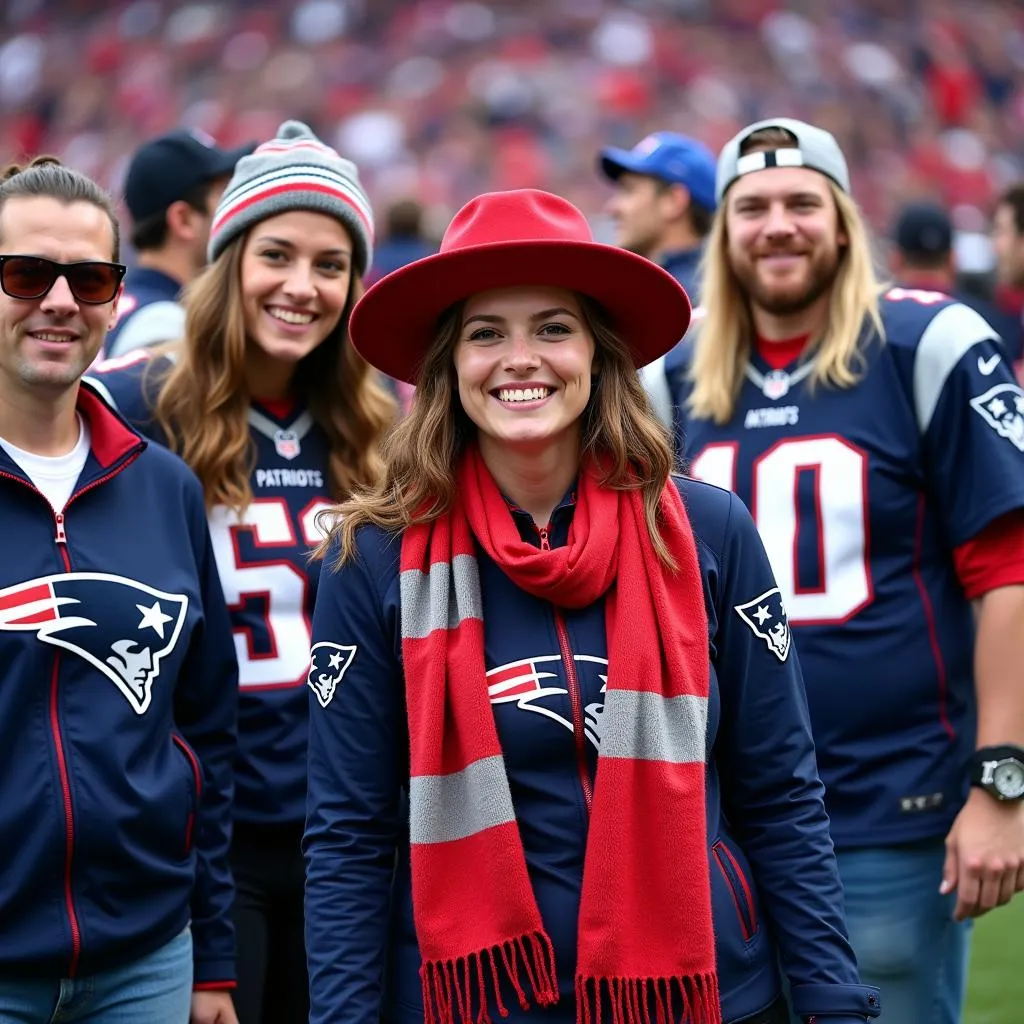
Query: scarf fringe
[
  {"x": 677, "y": 1000},
  {"x": 459, "y": 985}
]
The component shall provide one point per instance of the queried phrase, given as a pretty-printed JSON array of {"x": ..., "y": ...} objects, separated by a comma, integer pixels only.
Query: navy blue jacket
[
  {"x": 775, "y": 889},
  {"x": 118, "y": 689},
  {"x": 268, "y": 580}
]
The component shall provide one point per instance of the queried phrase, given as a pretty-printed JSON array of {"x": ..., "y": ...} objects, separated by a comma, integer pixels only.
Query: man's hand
[
  {"x": 984, "y": 855},
  {"x": 213, "y": 1008}
]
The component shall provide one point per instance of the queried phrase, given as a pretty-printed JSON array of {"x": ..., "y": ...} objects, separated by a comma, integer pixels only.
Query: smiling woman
[
  {"x": 524, "y": 363},
  {"x": 279, "y": 417},
  {"x": 528, "y": 550},
  {"x": 296, "y": 276}
]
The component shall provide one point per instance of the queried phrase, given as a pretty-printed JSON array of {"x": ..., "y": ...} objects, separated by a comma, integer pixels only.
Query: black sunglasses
[{"x": 32, "y": 277}]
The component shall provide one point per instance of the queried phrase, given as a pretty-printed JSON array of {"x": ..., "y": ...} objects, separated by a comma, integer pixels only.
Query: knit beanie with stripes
[{"x": 295, "y": 171}]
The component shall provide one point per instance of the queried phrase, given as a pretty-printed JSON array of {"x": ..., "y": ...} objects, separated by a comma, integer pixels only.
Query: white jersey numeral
[
  {"x": 839, "y": 517},
  {"x": 716, "y": 465},
  {"x": 275, "y": 578}
]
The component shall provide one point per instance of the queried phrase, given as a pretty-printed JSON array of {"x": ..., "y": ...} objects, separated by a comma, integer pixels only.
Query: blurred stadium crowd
[
  {"x": 443, "y": 99},
  {"x": 437, "y": 101}
]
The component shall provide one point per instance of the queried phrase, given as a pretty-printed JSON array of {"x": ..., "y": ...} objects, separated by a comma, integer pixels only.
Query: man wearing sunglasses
[
  {"x": 118, "y": 677},
  {"x": 171, "y": 190}
]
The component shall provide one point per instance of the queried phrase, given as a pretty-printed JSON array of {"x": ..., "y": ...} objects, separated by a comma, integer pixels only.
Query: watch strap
[{"x": 1000, "y": 753}]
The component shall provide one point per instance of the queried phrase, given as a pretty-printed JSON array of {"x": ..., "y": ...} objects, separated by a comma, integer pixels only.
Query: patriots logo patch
[
  {"x": 1002, "y": 408},
  {"x": 123, "y": 628},
  {"x": 327, "y": 664},
  {"x": 766, "y": 617}
]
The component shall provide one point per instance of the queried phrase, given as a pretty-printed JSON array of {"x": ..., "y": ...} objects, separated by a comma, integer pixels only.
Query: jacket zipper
[
  {"x": 61, "y": 539},
  {"x": 61, "y": 536},
  {"x": 575, "y": 700},
  {"x": 69, "y": 823},
  {"x": 60, "y": 531},
  {"x": 65, "y": 779}
]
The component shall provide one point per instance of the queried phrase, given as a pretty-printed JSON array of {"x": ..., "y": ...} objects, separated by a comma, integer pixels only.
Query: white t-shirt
[{"x": 54, "y": 475}]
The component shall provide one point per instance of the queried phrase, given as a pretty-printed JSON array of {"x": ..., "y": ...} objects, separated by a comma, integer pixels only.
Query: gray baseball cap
[{"x": 814, "y": 148}]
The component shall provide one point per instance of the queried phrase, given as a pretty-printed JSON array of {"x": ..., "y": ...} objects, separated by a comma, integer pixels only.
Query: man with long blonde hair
[{"x": 878, "y": 438}]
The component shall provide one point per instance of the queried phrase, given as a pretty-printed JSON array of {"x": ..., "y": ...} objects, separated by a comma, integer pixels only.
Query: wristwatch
[{"x": 999, "y": 771}]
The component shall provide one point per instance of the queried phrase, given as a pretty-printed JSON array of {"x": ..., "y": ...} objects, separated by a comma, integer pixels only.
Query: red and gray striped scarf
[{"x": 645, "y": 952}]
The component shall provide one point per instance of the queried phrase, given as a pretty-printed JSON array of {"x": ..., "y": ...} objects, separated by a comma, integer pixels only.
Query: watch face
[{"x": 1008, "y": 778}]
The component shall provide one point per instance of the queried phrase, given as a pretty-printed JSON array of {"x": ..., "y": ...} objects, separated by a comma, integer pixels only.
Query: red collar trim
[
  {"x": 779, "y": 354},
  {"x": 280, "y": 408},
  {"x": 111, "y": 439}
]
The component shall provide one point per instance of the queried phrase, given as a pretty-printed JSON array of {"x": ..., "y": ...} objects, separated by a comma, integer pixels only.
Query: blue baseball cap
[
  {"x": 671, "y": 157},
  {"x": 164, "y": 169}
]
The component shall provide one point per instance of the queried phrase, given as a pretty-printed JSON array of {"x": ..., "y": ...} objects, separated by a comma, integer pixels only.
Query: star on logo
[
  {"x": 325, "y": 683},
  {"x": 765, "y": 608},
  {"x": 154, "y": 618},
  {"x": 1002, "y": 408}
]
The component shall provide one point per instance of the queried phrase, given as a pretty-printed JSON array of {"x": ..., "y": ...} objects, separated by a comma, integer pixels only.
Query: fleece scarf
[{"x": 645, "y": 953}]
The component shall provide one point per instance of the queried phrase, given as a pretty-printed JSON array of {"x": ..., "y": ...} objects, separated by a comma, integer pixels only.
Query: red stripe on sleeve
[{"x": 994, "y": 558}]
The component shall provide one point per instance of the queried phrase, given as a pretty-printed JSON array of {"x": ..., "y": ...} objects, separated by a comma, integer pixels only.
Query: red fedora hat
[{"x": 505, "y": 239}]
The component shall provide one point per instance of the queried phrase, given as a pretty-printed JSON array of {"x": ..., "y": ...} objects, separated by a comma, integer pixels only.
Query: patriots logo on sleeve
[
  {"x": 766, "y": 617},
  {"x": 1002, "y": 408},
  {"x": 123, "y": 628},
  {"x": 327, "y": 664}
]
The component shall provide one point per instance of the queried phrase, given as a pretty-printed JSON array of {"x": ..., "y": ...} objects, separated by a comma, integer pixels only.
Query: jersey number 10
[{"x": 838, "y": 514}]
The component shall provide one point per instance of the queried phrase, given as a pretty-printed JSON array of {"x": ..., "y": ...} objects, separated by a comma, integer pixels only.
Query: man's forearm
[{"x": 999, "y": 667}]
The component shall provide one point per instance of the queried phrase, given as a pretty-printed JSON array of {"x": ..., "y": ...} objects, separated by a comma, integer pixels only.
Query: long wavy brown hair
[
  {"x": 202, "y": 404},
  {"x": 421, "y": 453}
]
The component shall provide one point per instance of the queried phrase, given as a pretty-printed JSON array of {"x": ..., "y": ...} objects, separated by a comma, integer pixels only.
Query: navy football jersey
[
  {"x": 148, "y": 313},
  {"x": 269, "y": 584},
  {"x": 861, "y": 495}
]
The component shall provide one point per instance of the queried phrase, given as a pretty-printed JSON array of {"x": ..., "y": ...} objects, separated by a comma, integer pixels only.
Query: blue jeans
[
  {"x": 903, "y": 931},
  {"x": 157, "y": 988}
]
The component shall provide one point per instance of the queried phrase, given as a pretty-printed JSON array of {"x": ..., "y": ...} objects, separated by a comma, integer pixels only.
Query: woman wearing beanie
[
  {"x": 270, "y": 405},
  {"x": 574, "y": 667}
]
